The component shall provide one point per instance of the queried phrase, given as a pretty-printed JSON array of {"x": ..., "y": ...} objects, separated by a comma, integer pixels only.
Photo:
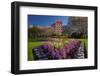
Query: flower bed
[{"x": 57, "y": 49}]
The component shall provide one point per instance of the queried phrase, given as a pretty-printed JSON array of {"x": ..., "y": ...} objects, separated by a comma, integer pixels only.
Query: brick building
[{"x": 57, "y": 27}]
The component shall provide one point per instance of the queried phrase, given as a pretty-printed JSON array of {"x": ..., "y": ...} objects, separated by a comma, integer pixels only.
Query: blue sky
[{"x": 46, "y": 20}]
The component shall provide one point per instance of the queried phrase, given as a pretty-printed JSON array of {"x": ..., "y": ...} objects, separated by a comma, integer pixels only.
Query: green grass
[
  {"x": 86, "y": 42},
  {"x": 36, "y": 39},
  {"x": 31, "y": 45}
]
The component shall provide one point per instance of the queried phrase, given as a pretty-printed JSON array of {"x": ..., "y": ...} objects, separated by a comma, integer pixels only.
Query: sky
[{"x": 46, "y": 20}]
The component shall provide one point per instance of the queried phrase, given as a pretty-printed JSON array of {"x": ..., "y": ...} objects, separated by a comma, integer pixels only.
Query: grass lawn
[
  {"x": 31, "y": 45},
  {"x": 86, "y": 42}
]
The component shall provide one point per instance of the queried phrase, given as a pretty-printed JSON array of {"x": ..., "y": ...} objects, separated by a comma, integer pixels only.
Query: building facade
[{"x": 57, "y": 27}]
